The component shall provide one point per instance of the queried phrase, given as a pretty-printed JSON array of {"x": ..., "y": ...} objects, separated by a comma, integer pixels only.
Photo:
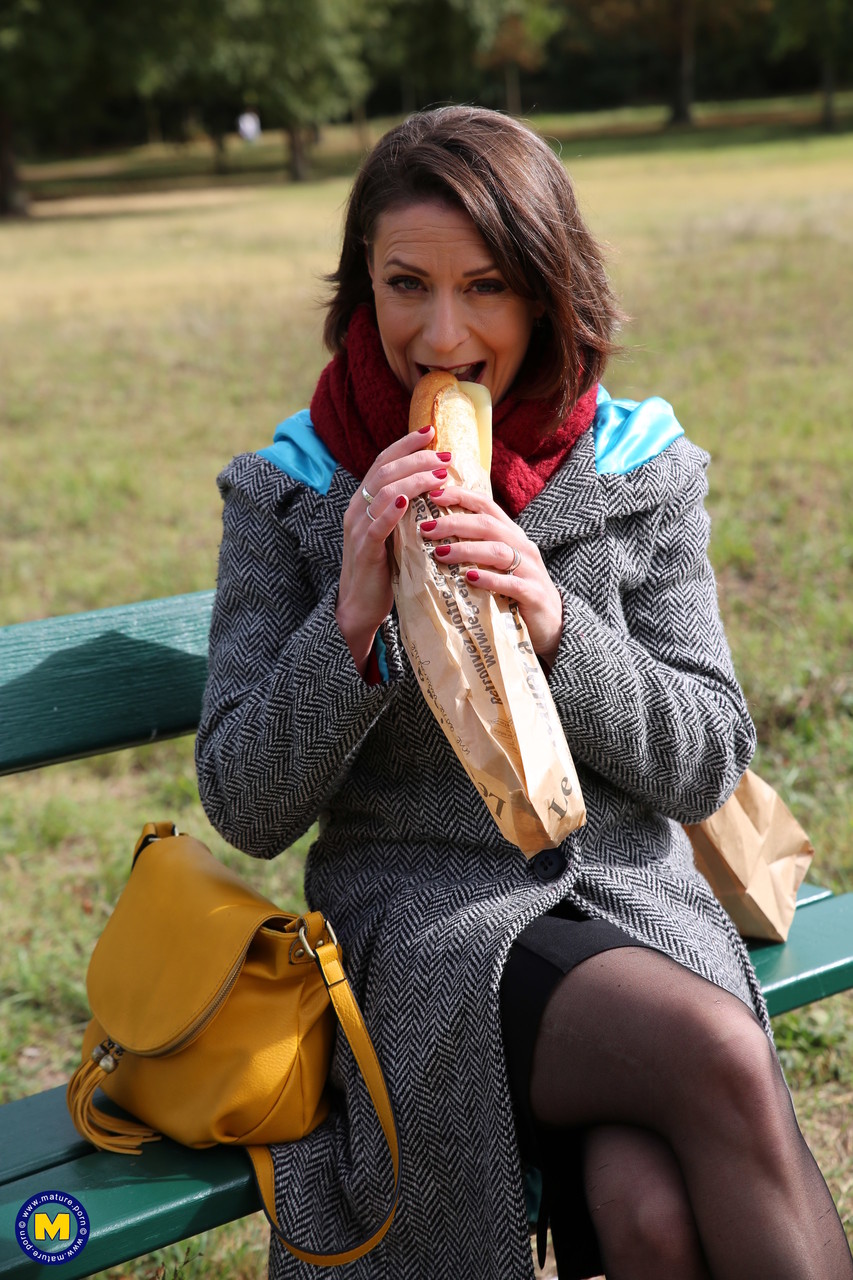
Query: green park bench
[{"x": 89, "y": 683}]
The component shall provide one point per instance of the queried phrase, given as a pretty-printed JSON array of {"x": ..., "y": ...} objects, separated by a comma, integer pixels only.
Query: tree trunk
[
  {"x": 297, "y": 153},
  {"x": 13, "y": 200},
  {"x": 512, "y": 88},
  {"x": 682, "y": 106},
  {"x": 152, "y": 119},
  {"x": 828, "y": 119},
  {"x": 408, "y": 95},
  {"x": 359, "y": 119},
  {"x": 219, "y": 164}
]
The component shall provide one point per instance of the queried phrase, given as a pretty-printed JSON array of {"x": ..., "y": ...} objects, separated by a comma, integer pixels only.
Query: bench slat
[
  {"x": 808, "y": 894},
  {"x": 37, "y": 1133},
  {"x": 817, "y": 959},
  {"x": 93, "y": 682},
  {"x": 134, "y": 1203}
]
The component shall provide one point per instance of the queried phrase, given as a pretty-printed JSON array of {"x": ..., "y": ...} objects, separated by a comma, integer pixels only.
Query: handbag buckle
[{"x": 308, "y": 949}]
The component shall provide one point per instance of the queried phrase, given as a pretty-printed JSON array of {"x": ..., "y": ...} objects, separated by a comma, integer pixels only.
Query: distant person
[
  {"x": 593, "y": 1011},
  {"x": 249, "y": 126}
]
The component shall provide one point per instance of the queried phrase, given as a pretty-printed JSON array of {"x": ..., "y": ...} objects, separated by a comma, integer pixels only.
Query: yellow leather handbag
[{"x": 214, "y": 1020}]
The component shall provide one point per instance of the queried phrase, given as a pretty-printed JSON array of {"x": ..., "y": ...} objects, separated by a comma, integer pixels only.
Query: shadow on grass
[
  {"x": 183, "y": 170},
  {"x": 193, "y": 171},
  {"x": 667, "y": 139}
]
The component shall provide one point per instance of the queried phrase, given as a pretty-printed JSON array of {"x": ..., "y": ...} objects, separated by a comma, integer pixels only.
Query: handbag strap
[
  {"x": 344, "y": 1003},
  {"x": 352, "y": 1024}
]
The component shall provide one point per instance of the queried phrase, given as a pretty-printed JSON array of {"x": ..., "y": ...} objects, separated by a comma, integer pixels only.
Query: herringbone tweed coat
[{"x": 424, "y": 893}]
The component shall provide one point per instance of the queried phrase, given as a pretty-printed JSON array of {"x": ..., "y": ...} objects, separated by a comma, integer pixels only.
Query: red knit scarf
[{"x": 359, "y": 408}]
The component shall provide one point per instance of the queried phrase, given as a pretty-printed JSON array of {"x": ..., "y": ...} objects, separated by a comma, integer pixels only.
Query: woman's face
[{"x": 441, "y": 302}]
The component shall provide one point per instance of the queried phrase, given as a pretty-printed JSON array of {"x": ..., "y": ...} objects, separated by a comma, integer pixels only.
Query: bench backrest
[{"x": 86, "y": 683}]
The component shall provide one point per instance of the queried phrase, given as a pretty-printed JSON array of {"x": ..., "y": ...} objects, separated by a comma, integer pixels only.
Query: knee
[
  {"x": 739, "y": 1084},
  {"x": 639, "y": 1205},
  {"x": 647, "y": 1231}
]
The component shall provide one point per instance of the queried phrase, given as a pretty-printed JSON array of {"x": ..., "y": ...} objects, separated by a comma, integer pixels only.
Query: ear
[{"x": 368, "y": 257}]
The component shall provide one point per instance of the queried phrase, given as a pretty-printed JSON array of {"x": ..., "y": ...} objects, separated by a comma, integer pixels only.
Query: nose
[{"x": 444, "y": 328}]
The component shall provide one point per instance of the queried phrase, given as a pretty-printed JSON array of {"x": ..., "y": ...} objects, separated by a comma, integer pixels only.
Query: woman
[{"x": 592, "y": 1010}]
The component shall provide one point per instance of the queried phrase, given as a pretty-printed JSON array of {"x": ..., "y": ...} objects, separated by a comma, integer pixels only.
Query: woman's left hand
[{"x": 503, "y": 560}]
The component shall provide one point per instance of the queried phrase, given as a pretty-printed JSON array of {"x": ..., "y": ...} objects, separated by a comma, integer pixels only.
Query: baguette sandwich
[{"x": 461, "y": 413}]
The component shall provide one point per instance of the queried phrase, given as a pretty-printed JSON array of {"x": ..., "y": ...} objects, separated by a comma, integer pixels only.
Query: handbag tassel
[{"x": 110, "y": 1133}]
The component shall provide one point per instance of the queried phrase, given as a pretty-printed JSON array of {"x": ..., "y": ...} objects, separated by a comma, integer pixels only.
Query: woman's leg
[
  {"x": 639, "y": 1206},
  {"x": 630, "y": 1038}
]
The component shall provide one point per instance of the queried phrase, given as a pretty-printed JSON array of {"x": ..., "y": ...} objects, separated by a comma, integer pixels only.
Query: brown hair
[{"x": 521, "y": 200}]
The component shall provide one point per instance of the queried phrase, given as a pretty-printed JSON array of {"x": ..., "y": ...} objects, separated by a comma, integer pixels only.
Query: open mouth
[{"x": 464, "y": 372}]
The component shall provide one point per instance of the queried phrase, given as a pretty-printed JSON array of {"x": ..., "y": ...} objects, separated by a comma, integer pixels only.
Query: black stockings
[{"x": 695, "y": 1167}]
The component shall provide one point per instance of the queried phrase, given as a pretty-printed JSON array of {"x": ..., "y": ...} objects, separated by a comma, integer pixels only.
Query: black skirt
[{"x": 541, "y": 956}]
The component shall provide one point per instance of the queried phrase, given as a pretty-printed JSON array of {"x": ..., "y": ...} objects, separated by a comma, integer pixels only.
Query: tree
[
  {"x": 822, "y": 26},
  {"x": 64, "y": 61},
  {"x": 301, "y": 60},
  {"x": 518, "y": 44},
  {"x": 670, "y": 26},
  {"x": 41, "y": 50},
  {"x": 428, "y": 48},
  {"x": 437, "y": 50}
]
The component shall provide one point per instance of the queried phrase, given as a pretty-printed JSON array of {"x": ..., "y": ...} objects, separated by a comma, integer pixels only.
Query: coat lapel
[{"x": 572, "y": 503}]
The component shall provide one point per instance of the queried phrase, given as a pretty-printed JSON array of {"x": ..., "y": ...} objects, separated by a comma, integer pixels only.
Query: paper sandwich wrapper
[
  {"x": 755, "y": 855},
  {"x": 473, "y": 658}
]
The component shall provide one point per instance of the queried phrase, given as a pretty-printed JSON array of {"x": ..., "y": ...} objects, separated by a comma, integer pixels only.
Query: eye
[
  {"x": 404, "y": 284},
  {"x": 487, "y": 287}
]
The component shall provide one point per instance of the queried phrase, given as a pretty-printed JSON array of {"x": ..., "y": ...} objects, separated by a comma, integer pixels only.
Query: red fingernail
[
  {"x": 400, "y": 502},
  {"x": 440, "y": 473},
  {"x": 472, "y": 575},
  {"x": 424, "y": 431},
  {"x": 442, "y": 551},
  {"x": 435, "y": 493},
  {"x": 427, "y": 526},
  {"x": 444, "y": 457}
]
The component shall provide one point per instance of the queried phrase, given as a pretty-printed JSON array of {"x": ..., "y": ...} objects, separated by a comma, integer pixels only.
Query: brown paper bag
[
  {"x": 754, "y": 854},
  {"x": 472, "y": 655}
]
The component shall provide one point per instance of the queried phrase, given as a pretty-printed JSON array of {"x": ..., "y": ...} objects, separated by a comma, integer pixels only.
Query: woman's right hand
[{"x": 403, "y": 471}]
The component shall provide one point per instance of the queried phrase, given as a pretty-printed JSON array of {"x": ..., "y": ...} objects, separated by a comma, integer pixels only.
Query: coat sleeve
[
  {"x": 649, "y": 699},
  {"x": 285, "y": 708}
]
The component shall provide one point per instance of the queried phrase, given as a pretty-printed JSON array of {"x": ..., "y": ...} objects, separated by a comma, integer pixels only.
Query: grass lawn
[{"x": 146, "y": 337}]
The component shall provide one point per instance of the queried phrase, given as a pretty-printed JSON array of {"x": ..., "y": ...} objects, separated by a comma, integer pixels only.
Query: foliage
[
  {"x": 519, "y": 41},
  {"x": 439, "y": 49},
  {"x": 426, "y": 47},
  {"x": 301, "y": 58},
  {"x": 60, "y": 64},
  {"x": 38, "y": 47},
  {"x": 823, "y": 27},
  {"x": 670, "y": 27},
  {"x": 81, "y": 74},
  {"x": 298, "y": 62},
  {"x": 800, "y": 23}
]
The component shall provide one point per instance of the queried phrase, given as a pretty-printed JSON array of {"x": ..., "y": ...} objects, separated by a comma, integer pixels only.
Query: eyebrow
[{"x": 417, "y": 271}]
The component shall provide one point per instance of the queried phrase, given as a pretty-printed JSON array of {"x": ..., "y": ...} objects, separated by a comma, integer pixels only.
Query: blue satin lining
[
  {"x": 300, "y": 453},
  {"x": 628, "y": 433},
  {"x": 381, "y": 657}
]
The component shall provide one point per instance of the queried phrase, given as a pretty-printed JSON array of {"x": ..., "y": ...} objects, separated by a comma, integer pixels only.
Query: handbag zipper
[{"x": 111, "y": 1049}]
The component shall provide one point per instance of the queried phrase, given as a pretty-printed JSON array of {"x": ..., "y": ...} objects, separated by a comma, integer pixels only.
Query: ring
[
  {"x": 516, "y": 561},
  {"x": 368, "y": 497},
  {"x": 370, "y": 514}
]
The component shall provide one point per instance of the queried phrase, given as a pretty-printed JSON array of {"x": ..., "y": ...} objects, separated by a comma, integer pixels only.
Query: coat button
[{"x": 549, "y": 864}]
